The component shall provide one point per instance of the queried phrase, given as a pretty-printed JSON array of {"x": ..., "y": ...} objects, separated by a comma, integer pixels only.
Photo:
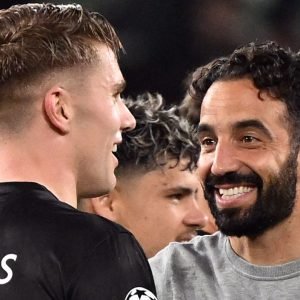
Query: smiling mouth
[
  {"x": 234, "y": 192},
  {"x": 115, "y": 148}
]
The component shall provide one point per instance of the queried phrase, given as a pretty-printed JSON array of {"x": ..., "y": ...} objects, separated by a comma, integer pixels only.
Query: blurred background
[{"x": 167, "y": 39}]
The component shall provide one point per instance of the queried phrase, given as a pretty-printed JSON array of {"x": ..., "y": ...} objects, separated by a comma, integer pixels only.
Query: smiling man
[
  {"x": 157, "y": 194},
  {"x": 249, "y": 135}
]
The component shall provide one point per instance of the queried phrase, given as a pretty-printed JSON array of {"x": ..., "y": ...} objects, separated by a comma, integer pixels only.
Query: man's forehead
[
  {"x": 108, "y": 69},
  {"x": 238, "y": 99},
  {"x": 229, "y": 92},
  {"x": 107, "y": 58}
]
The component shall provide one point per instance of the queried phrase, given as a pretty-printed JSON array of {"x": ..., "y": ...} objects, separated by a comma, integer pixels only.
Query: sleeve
[
  {"x": 116, "y": 267},
  {"x": 162, "y": 273}
]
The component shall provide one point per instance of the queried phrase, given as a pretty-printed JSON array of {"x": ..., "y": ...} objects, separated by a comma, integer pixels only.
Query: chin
[
  {"x": 111, "y": 184},
  {"x": 104, "y": 187}
]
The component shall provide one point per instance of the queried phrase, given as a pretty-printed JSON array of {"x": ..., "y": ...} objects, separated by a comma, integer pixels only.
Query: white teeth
[
  {"x": 115, "y": 148},
  {"x": 235, "y": 191}
]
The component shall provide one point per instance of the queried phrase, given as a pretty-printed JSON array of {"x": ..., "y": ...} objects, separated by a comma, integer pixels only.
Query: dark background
[{"x": 167, "y": 39}]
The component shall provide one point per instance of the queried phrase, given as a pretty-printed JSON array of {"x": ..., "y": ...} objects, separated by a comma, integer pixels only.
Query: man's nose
[
  {"x": 195, "y": 217},
  {"x": 224, "y": 159},
  {"x": 128, "y": 121}
]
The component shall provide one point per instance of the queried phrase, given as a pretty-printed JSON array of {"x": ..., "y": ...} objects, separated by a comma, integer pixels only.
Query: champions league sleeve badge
[{"x": 140, "y": 293}]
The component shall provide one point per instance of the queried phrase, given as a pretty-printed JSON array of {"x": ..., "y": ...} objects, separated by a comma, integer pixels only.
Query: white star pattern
[{"x": 140, "y": 293}]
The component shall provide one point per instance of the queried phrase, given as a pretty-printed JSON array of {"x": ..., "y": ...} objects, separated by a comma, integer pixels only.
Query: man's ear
[
  {"x": 57, "y": 109},
  {"x": 103, "y": 206}
]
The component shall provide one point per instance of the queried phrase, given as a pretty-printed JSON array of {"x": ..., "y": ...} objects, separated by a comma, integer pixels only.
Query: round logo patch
[{"x": 140, "y": 293}]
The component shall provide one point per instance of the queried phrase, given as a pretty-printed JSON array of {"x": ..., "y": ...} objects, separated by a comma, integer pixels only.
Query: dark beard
[{"x": 274, "y": 203}]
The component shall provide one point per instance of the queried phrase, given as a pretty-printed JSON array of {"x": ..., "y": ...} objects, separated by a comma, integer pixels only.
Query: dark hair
[
  {"x": 270, "y": 67},
  {"x": 160, "y": 135}
]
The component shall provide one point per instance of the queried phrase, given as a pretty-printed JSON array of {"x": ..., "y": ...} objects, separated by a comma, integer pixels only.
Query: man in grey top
[{"x": 250, "y": 136}]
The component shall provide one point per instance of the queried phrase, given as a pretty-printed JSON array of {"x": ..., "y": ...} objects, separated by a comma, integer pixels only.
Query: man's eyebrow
[
  {"x": 119, "y": 86},
  {"x": 204, "y": 128},
  {"x": 181, "y": 190},
  {"x": 254, "y": 124}
]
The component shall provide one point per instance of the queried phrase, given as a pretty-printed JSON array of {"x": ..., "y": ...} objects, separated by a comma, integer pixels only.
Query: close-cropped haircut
[
  {"x": 271, "y": 68},
  {"x": 160, "y": 135},
  {"x": 36, "y": 38}
]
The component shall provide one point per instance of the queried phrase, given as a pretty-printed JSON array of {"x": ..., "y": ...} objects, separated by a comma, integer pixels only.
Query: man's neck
[{"x": 41, "y": 166}]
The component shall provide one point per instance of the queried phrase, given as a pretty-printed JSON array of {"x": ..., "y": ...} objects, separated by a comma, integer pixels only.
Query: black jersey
[{"x": 49, "y": 250}]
